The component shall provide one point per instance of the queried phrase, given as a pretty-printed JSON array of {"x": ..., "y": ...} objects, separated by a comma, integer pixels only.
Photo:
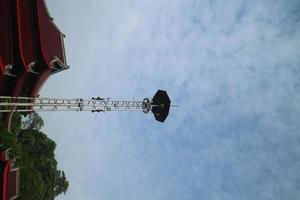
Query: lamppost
[{"x": 159, "y": 105}]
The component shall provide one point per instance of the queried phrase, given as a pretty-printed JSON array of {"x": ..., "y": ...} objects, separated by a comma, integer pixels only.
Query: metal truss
[{"x": 95, "y": 104}]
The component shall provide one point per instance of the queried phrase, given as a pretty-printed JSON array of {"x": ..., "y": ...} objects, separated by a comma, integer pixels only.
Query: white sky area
[{"x": 232, "y": 66}]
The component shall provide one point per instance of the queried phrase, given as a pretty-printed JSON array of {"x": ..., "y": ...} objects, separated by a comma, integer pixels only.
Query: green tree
[
  {"x": 32, "y": 122},
  {"x": 40, "y": 149},
  {"x": 40, "y": 178},
  {"x": 62, "y": 183}
]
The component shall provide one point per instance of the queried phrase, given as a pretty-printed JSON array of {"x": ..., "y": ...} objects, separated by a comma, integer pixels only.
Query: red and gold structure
[
  {"x": 9, "y": 177},
  {"x": 31, "y": 48}
]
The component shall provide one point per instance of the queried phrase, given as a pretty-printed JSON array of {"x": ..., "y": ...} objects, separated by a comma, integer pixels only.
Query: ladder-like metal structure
[
  {"x": 160, "y": 107},
  {"x": 95, "y": 104}
]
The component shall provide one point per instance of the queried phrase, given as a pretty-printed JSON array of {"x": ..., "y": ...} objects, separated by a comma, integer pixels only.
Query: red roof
[
  {"x": 6, "y": 39},
  {"x": 10, "y": 177},
  {"x": 30, "y": 42},
  {"x": 31, "y": 45},
  {"x": 51, "y": 38},
  {"x": 27, "y": 33}
]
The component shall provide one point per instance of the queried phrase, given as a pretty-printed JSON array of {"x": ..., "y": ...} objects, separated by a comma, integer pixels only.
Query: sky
[{"x": 232, "y": 66}]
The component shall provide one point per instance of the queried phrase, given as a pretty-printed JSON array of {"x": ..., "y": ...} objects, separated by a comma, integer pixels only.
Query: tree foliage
[
  {"x": 40, "y": 178},
  {"x": 32, "y": 121}
]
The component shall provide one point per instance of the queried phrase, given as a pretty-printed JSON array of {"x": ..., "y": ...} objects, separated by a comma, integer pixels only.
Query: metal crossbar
[{"x": 95, "y": 104}]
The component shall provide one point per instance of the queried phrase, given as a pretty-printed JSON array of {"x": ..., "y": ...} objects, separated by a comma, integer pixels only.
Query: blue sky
[{"x": 232, "y": 66}]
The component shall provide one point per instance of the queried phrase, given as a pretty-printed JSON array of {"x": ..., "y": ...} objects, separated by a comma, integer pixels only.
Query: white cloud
[{"x": 232, "y": 67}]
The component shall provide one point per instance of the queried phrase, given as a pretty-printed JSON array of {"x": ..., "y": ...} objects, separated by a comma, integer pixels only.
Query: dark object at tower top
[{"x": 161, "y": 105}]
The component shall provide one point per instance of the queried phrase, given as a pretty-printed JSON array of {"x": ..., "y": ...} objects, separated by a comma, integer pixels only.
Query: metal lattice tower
[{"x": 159, "y": 105}]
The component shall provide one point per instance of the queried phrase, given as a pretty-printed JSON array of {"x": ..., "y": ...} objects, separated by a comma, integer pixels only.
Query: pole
[{"x": 95, "y": 104}]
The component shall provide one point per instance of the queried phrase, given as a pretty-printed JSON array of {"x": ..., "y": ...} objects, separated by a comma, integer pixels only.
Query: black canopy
[{"x": 161, "y": 105}]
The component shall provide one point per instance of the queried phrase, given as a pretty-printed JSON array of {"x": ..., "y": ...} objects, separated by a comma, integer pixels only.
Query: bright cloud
[{"x": 233, "y": 67}]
